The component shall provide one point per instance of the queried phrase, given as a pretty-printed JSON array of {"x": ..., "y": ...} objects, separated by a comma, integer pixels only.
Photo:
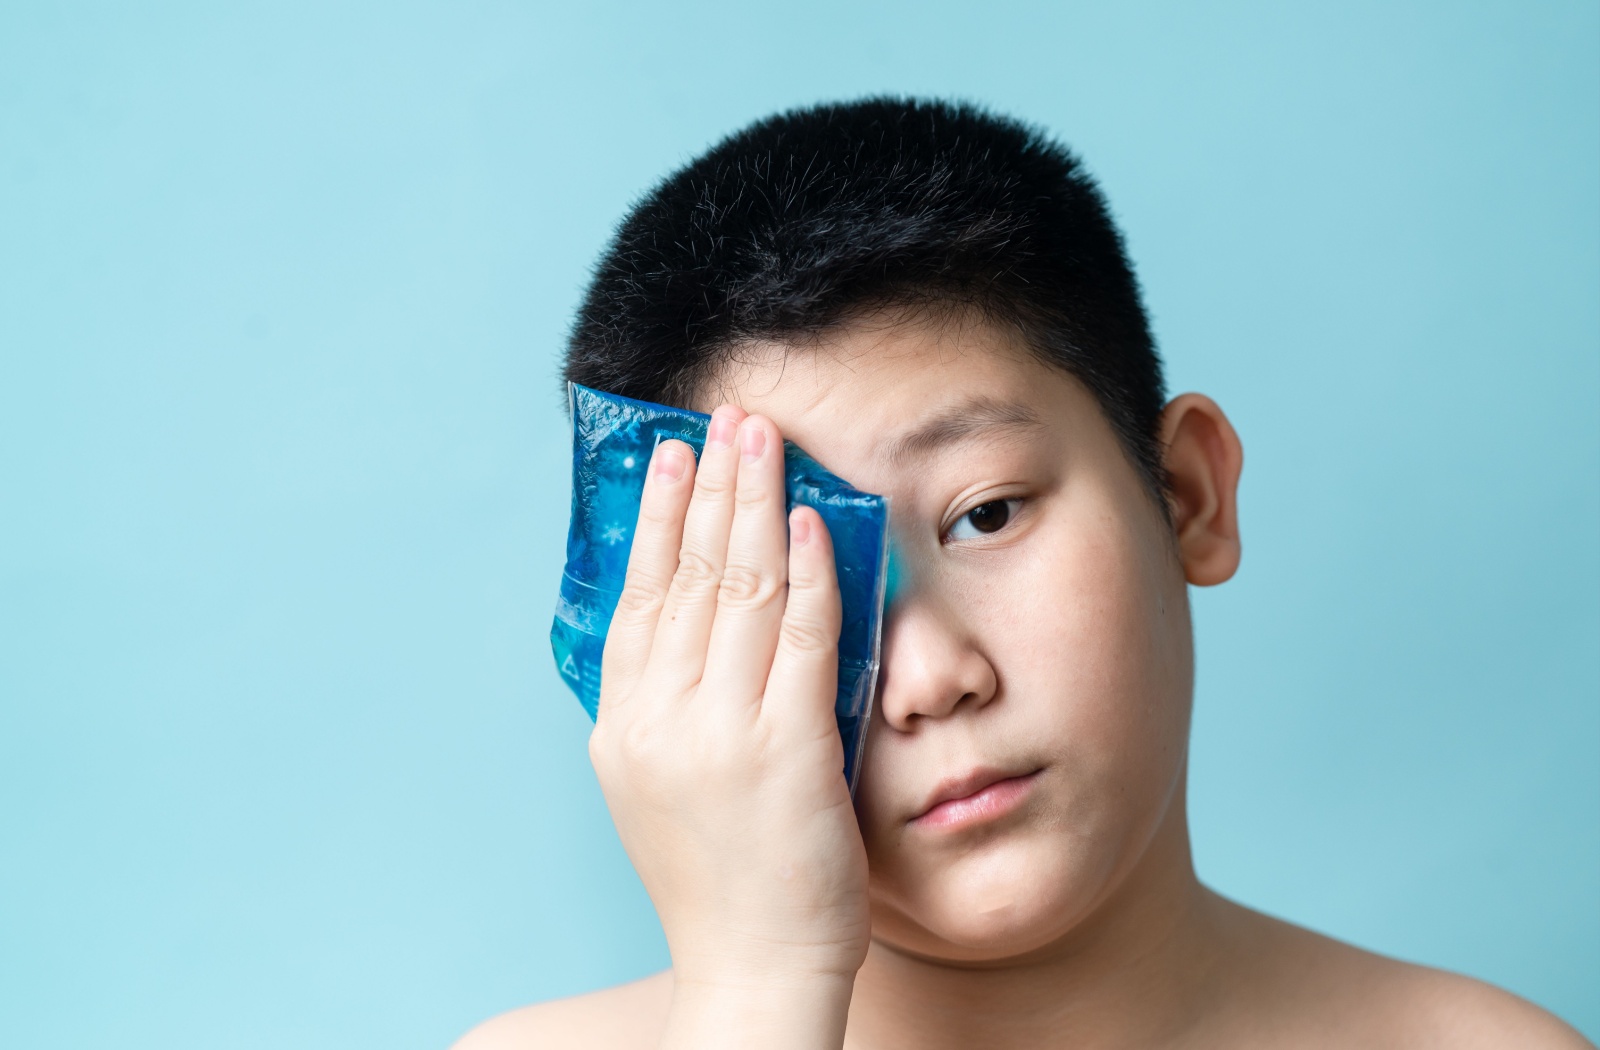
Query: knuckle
[
  {"x": 752, "y": 497},
  {"x": 803, "y": 576},
  {"x": 635, "y": 747},
  {"x": 748, "y": 586},
  {"x": 696, "y": 573},
  {"x": 655, "y": 515},
  {"x": 640, "y": 597},
  {"x": 808, "y": 634},
  {"x": 713, "y": 484},
  {"x": 816, "y": 593},
  {"x": 638, "y": 739},
  {"x": 813, "y": 574}
]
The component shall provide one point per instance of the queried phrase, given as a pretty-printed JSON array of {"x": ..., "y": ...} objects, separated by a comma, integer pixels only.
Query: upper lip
[{"x": 952, "y": 788}]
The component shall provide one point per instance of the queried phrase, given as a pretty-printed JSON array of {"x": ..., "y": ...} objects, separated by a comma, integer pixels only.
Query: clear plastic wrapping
[{"x": 612, "y": 441}]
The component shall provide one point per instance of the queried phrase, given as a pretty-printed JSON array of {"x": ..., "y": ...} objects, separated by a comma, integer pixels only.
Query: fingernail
[
  {"x": 669, "y": 464},
  {"x": 800, "y": 529},
  {"x": 752, "y": 440},
  {"x": 722, "y": 430}
]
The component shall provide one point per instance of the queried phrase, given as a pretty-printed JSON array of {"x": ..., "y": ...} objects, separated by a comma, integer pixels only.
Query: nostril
[{"x": 968, "y": 701}]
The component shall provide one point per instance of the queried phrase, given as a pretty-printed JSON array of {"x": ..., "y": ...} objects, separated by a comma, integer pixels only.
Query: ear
[{"x": 1203, "y": 458}]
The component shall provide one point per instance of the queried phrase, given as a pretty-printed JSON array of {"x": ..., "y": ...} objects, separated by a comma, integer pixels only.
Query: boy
[{"x": 934, "y": 303}]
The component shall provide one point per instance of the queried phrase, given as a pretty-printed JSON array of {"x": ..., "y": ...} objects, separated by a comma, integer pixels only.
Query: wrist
[{"x": 777, "y": 1011}]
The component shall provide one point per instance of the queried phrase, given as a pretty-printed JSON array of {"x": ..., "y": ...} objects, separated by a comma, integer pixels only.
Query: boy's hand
[{"x": 717, "y": 749}]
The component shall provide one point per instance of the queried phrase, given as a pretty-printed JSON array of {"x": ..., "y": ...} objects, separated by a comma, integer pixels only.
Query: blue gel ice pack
[{"x": 613, "y": 438}]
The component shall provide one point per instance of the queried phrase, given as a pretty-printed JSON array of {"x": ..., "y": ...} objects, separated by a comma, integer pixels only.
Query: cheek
[
  {"x": 1086, "y": 627},
  {"x": 1093, "y": 640},
  {"x": 1091, "y": 650}
]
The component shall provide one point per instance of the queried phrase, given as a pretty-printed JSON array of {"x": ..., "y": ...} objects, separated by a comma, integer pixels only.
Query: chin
[{"x": 988, "y": 905}]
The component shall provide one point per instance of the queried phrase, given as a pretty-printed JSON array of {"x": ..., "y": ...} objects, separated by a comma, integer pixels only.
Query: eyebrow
[{"x": 964, "y": 421}]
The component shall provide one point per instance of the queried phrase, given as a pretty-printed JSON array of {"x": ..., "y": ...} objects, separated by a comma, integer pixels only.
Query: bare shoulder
[
  {"x": 627, "y": 1017},
  {"x": 1457, "y": 1011},
  {"x": 1325, "y": 992}
]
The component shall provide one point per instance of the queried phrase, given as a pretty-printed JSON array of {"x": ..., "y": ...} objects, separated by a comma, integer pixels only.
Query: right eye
[{"x": 982, "y": 520}]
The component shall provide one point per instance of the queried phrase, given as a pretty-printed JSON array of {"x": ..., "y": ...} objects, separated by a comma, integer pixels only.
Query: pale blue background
[{"x": 283, "y": 758}]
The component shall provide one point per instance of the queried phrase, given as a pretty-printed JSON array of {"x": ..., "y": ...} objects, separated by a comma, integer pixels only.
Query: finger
[
  {"x": 678, "y": 652},
  {"x": 805, "y": 668},
  {"x": 651, "y": 563},
  {"x": 756, "y": 573}
]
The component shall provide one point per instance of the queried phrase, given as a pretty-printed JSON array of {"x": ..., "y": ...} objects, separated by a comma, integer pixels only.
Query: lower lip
[{"x": 992, "y": 802}]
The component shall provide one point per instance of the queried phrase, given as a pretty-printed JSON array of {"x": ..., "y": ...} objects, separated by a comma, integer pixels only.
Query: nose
[{"x": 931, "y": 666}]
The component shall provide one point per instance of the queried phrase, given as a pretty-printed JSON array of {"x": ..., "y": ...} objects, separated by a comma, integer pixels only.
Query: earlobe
[{"x": 1203, "y": 458}]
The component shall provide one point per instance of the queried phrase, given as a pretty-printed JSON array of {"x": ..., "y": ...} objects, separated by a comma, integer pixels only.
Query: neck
[{"x": 1135, "y": 973}]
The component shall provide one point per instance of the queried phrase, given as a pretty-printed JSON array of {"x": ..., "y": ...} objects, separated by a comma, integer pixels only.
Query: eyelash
[{"x": 1011, "y": 505}]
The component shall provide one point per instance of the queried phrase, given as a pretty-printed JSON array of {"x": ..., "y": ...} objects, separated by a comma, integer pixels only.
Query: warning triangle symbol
[{"x": 569, "y": 667}]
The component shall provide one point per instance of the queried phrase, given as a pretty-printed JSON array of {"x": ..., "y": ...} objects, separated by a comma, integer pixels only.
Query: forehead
[{"x": 871, "y": 398}]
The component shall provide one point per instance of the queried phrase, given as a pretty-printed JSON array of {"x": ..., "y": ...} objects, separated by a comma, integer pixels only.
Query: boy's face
[{"x": 1040, "y": 636}]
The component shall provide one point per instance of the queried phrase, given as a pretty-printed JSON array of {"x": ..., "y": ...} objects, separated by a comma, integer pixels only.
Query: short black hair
[{"x": 808, "y": 219}]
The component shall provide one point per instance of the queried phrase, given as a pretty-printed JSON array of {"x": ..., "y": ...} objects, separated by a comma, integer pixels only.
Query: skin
[{"x": 1056, "y": 648}]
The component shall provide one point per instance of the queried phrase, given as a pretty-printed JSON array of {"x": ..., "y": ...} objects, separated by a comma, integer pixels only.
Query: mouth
[{"x": 980, "y": 796}]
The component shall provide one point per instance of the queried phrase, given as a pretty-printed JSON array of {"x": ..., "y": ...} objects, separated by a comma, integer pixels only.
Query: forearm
[{"x": 802, "y": 1014}]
